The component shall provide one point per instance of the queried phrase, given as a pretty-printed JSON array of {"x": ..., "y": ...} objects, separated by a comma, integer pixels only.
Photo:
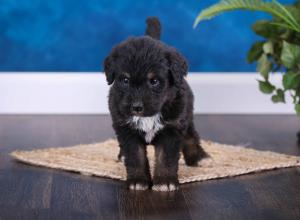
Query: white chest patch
[{"x": 150, "y": 125}]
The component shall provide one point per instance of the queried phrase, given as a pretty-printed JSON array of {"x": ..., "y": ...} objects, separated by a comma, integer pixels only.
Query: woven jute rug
[{"x": 100, "y": 159}]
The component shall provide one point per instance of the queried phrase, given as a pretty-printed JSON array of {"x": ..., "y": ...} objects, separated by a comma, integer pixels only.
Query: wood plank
[
  {"x": 80, "y": 197},
  {"x": 152, "y": 205},
  {"x": 28, "y": 192}
]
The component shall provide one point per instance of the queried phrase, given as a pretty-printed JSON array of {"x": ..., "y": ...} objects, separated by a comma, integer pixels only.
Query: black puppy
[{"x": 151, "y": 103}]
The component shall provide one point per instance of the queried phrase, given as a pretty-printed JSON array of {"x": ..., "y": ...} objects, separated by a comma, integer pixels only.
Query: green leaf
[
  {"x": 291, "y": 80},
  {"x": 264, "y": 66},
  {"x": 279, "y": 96},
  {"x": 267, "y": 29},
  {"x": 297, "y": 108},
  {"x": 266, "y": 87},
  {"x": 297, "y": 4},
  {"x": 274, "y": 8},
  {"x": 255, "y": 52},
  {"x": 290, "y": 55},
  {"x": 289, "y": 16},
  {"x": 297, "y": 92},
  {"x": 268, "y": 48}
]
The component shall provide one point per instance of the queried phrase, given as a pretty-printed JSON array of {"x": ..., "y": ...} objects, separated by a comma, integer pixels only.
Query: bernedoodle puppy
[{"x": 151, "y": 103}]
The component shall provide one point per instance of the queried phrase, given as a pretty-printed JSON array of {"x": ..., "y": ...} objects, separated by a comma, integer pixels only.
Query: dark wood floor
[{"x": 28, "y": 192}]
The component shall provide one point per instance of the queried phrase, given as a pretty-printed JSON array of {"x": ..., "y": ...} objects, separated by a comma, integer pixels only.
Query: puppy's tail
[{"x": 153, "y": 28}]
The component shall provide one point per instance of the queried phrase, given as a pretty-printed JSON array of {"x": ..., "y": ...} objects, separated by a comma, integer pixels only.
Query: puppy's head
[{"x": 142, "y": 72}]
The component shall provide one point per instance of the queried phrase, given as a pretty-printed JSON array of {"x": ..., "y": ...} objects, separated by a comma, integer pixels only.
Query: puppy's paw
[
  {"x": 192, "y": 157},
  {"x": 206, "y": 162},
  {"x": 121, "y": 159},
  {"x": 165, "y": 185},
  {"x": 192, "y": 161},
  {"x": 138, "y": 184}
]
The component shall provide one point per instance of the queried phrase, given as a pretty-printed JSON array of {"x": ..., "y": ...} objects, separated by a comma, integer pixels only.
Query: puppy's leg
[
  {"x": 137, "y": 167},
  {"x": 167, "y": 147},
  {"x": 121, "y": 156},
  {"x": 136, "y": 162},
  {"x": 191, "y": 149}
]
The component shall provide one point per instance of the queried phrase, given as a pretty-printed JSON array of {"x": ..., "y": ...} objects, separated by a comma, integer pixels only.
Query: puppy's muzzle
[{"x": 137, "y": 108}]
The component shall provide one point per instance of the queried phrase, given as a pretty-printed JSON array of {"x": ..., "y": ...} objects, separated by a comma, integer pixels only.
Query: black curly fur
[{"x": 128, "y": 68}]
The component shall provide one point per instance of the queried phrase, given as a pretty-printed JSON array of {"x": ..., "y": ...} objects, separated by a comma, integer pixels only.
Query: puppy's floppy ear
[
  {"x": 178, "y": 66},
  {"x": 108, "y": 69}
]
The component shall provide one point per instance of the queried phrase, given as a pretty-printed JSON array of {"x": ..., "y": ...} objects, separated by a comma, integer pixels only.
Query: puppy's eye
[
  {"x": 154, "y": 82},
  {"x": 125, "y": 80}
]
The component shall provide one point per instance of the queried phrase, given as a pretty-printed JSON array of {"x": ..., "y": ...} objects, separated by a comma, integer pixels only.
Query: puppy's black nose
[{"x": 137, "y": 107}]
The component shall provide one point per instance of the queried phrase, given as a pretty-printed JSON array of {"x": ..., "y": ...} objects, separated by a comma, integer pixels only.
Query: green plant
[{"x": 279, "y": 51}]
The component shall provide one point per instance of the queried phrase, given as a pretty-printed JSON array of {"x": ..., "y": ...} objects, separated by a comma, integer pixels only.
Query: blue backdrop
[{"x": 76, "y": 35}]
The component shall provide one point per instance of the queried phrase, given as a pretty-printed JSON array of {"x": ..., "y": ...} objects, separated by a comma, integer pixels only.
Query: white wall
[{"x": 86, "y": 93}]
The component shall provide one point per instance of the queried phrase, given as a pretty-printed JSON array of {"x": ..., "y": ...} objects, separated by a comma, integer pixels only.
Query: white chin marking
[
  {"x": 150, "y": 125},
  {"x": 165, "y": 187},
  {"x": 138, "y": 186}
]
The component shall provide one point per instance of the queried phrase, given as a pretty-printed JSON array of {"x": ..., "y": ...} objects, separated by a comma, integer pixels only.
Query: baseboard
[{"x": 86, "y": 93}]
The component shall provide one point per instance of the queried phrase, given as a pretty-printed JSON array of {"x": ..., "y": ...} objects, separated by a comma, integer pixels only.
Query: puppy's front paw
[
  {"x": 165, "y": 185},
  {"x": 138, "y": 184}
]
